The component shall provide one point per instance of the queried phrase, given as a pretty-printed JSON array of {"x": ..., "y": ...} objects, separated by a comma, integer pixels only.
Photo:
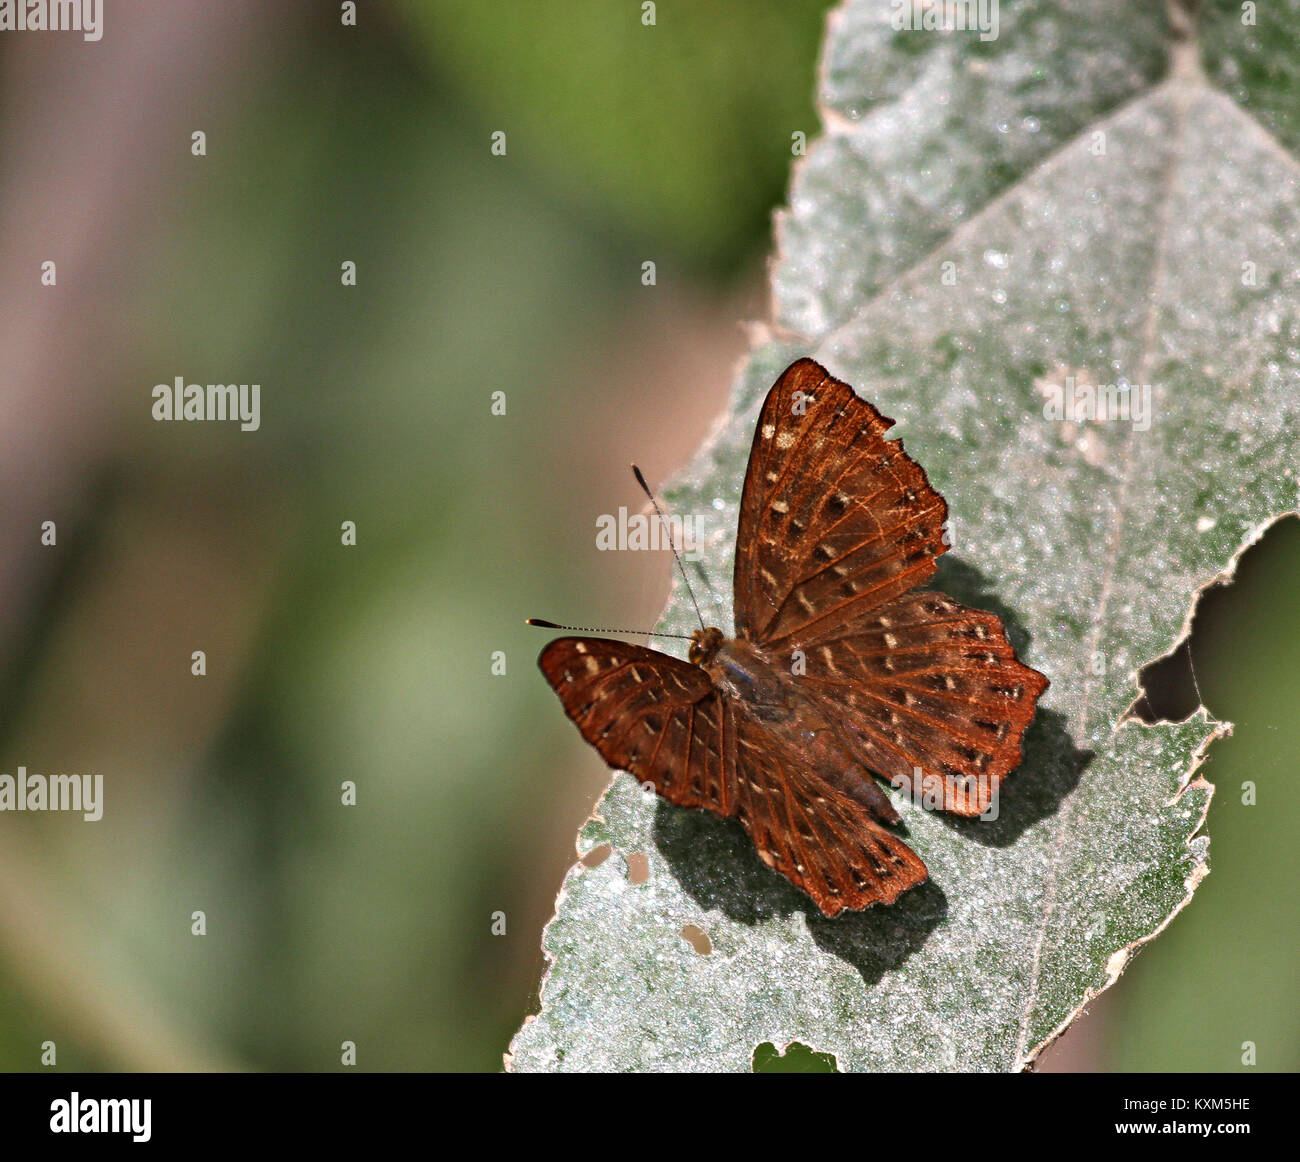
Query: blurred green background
[{"x": 476, "y": 274}]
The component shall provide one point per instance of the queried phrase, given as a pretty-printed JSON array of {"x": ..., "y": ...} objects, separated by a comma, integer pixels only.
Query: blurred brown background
[{"x": 475, "y": 273}]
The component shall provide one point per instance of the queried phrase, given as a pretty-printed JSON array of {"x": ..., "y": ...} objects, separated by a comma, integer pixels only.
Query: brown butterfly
[{"x": 841, "y": 668}]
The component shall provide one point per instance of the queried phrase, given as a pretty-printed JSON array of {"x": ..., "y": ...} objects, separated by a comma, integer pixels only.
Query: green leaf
[{"x": 1134, "y": 225}]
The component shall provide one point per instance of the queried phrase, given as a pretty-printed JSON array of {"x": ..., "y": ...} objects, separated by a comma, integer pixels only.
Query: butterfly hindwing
[
  {"x": 655, "y": 716},
  {"x": 835, "y": 520},
  {"x": 820, "y": 838},
  {"x": 927, "y": 683}
]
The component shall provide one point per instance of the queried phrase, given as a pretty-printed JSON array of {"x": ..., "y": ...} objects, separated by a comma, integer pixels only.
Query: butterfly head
[{"x": 704, "y": 644}]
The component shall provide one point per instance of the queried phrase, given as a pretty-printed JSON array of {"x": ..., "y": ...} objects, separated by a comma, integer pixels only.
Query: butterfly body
[
  {"x": 841, "y": 669},
  {"x": 744, "y": 672}
]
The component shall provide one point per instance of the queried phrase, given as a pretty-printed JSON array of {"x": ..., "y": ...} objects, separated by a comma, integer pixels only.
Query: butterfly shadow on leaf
[
  {"x": 715, "y": 863},
  {"x": 1052, "y": 765}
]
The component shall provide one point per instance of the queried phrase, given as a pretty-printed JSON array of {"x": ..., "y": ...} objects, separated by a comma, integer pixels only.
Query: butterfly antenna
[
  {"x": 668, "y": 529},
  {"x": 544, "y": 624}
]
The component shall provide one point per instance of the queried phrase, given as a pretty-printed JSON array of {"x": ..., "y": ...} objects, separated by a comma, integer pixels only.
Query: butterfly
[{"x": 841, "y": 669}]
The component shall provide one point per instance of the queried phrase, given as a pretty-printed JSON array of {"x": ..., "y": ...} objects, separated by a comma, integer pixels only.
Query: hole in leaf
[
  {"x": 638, "y": 868},
  {"x": 1173, "y": 687},
  {"x": 1168, "y": 686},
  {"x": 597, "y": 855},
  {"x": 698, "y": 939},
  {"x": 798, "y": 1058}
]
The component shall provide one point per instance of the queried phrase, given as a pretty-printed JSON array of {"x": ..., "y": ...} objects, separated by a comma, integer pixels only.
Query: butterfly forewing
[
  {"x": 835, "y": 520},
  {"x": 926, "y": 684},
  {"x": 657, "y": 717}
]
